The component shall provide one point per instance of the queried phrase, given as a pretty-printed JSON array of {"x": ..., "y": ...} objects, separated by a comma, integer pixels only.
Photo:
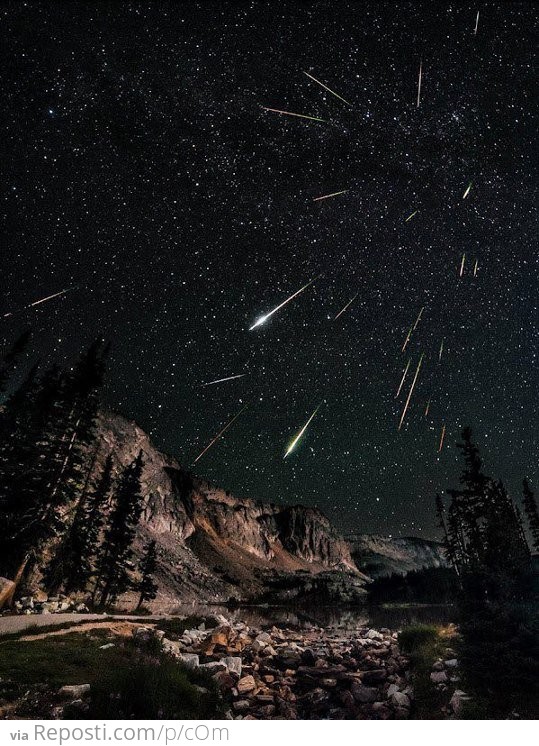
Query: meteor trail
[
  {"x": 298, "y": 437},
  {"x": 442, "y": 436},
  {"x": 219, "y": 434},
  {"x": 441, "y": 350},
  {"x": 475, "y": 268},
  {"x": 221, "y": 380},
  {"x": 263, "y": 319},
  {"x": 327, "y": 89},
  {"x": 403, "y": 377},
  {"x": 293, "y": 114},
  {"x": 410, "y": 392},
  {"x": 418, "y": 318},
  {"x": 38, "y": 302},
  {"x": 427, "y": 408},
  {"x": 326, "y": 196},
  {"x": 462, "y": 265},
  {"x": 346, "y": 306},
  {"x": 407, "y": 338},
  {"x": 411, "y": 216},
  {"x": 467, "y": 191},
  {"x": 419, "y": 81},
  {"x": 476, "y": 24}
]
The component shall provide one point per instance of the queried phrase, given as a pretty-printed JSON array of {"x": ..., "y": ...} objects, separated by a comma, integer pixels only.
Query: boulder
[
  {"x": 241, "y": 705},
  {"x": 189, "y": 660},
  {"x": 213, "y": 666},
  {"x": 438, "y": 677},
  {"x": 246, "y": 684},
  {"x": 363, "y": 694},
  {"x": 374, "y": 676},
  {"x": 457, "y": 701},
  {"x": 233, "y": 664},
  {"x": 74, "y": 691},
  {"x": 399, "y": 699}
]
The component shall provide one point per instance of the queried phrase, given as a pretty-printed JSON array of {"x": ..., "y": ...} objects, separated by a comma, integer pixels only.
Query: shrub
[
  {"x": 154, "y": 690},
  {"x": 413, "y": 638}
]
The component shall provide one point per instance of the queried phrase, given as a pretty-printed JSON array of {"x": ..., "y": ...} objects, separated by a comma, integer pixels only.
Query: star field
[{"x": 141, "y": 168}]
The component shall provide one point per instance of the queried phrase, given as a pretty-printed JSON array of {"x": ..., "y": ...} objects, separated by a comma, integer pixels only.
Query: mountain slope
[
  {"x": 381, "y": 555},
  {"x": 212, "y": 545}
]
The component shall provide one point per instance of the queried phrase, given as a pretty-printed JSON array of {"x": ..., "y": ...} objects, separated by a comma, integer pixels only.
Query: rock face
[
  {"x": 380, "y": 555},
  {"x": 212, "y": 545}
]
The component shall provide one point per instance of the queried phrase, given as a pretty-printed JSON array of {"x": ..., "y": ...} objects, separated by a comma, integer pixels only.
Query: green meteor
[{"x": 298, "y": 437}]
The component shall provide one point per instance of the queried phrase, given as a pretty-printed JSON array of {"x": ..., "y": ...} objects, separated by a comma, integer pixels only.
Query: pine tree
[
  {"x": 48, "y": 442},
  {"x": 8, "y": 359},
  {"x": 80, "y": 546},
  {"x": 116, "y": 552},
  {"x": 147, "y": 587},
  {"x": 532, "y": 513}
]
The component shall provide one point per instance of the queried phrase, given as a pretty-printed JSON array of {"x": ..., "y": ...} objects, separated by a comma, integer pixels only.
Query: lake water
[{"x": 394, "y": 617}]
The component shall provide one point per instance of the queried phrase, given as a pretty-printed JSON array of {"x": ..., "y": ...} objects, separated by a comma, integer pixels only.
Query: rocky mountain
[
  {"x": 381, "y": 555},
  {"x": 213, "y": 546}
]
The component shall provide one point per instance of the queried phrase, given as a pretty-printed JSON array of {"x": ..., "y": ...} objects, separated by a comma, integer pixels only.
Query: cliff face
[
  {"x": 381, "y": 555},
  {"x": 212, "y": 545}
]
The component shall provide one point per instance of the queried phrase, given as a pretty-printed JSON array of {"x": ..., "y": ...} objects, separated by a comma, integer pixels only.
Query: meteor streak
[
  {"x": 263, "y": 319},
  {"x": 326, "y": 196},
  {"x": 418, "y": 319},
  {"x": 346, "y": 306},
  {"x": 293, "y": 114},
  {"x": 461, "y": 272},
  {"x": 419, "y": 81},
  {"x": 442, "y": 436},
  {"x": 475, "y": 266},
  {"x": 427, "y": 408},
  {"x": 441, "y": 350},
  {"x": 411, "y": 216},
  {"x": 411, "y": 391},
  {"x": 38, "y": 302},
  {"x": 476, "y": 24},
  {"x": 407, "y": 338},
  {"x": 220, "y": 434},
  {"x": 327, "y": 89},
  {"x": 221, "y": 380},
  {"x": 298, "y": 437},
  {"x": 467, "y": 191},
  {"x": 403, "y": 377}
]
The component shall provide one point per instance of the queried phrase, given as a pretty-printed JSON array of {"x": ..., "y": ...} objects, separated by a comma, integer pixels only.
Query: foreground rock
[{"x": 312, "y": 673}]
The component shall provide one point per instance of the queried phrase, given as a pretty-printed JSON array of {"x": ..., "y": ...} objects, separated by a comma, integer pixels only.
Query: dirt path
[{"x": 18, "y": 624}]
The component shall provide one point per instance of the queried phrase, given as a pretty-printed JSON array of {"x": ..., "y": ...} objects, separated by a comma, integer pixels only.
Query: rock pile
[
  {"x": 310, "y": 673},
  {"x": 40, "y": 603}
]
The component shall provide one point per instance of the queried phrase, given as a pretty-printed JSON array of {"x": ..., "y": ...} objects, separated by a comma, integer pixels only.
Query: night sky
[{"x": 140, "y": 168}]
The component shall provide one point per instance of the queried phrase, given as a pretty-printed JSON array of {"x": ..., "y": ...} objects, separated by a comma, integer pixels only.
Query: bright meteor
[
  {"x": 419, "y": 82},
  {"x": 222, "y": 380},
  {"x": 411, "y": 216},
  {"x": 220, "y": 434},
  {"x": 467, "y": 192},
  {"x": 264, "y": 318},
  {"x": 403, "y": 377},
  {"x": 293, "y": 114},
  {"x": 346, "y": 306},
  {"x": 298, "y": 437},
  {"x": 38, "y": 302},
  {"x": 410, "y": 392},
  {"x": 327, "y": 196},
  {"x": 327, "y": 89}
]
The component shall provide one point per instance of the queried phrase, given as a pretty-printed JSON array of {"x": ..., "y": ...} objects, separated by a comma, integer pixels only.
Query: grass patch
[
  {"x": 424, "y": 644},
  {"x": 127, "y": 681},
  {"x": 154, "y": 690},
  {"x": 64, "y": 659}
]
